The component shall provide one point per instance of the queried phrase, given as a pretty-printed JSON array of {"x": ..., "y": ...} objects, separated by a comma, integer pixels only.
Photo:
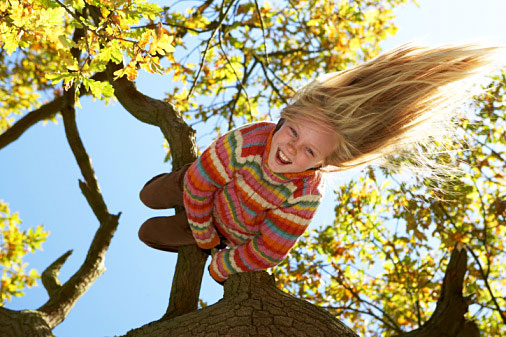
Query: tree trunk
[
  {"x": 23, "y": 324},
  {"x": 251, "y": 306}
]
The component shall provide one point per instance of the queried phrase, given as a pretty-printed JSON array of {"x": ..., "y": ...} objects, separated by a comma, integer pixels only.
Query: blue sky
[{"x": 39, "y": 180}]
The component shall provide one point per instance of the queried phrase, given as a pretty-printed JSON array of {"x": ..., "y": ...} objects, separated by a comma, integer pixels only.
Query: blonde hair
[{"x": 391, "y": 102}]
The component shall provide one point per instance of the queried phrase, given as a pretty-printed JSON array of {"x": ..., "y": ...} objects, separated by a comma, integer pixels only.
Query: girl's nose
[{"x": 292, "y": 150}]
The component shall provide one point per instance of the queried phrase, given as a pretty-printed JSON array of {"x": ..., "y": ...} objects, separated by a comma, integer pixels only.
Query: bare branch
[
  {"x": 239, "y": 82},
  {"x": 391, "y": 324},
  {"x": 273, "y": 86},
  {"x": 49, "y": 277},
  {"x": 64, "y": 298},
  {"x": 40, "y": 114}
]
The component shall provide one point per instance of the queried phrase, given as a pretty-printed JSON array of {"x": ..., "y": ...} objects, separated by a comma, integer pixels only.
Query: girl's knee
[
  {"x": 149, "y": 191},
  {"x": 147, "y": 231}
]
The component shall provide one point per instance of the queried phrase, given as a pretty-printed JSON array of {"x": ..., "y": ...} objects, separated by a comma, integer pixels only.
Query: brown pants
[{"x": 166, "y": 232}]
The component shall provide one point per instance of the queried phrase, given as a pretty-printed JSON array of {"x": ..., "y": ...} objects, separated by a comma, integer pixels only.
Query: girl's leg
[
  {"x": 165, "y": 190},
  {"x": 167, "y": 232}
]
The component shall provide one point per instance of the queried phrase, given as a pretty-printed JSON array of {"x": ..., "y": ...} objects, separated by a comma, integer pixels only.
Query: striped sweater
[{"x": 230, "y": 190}]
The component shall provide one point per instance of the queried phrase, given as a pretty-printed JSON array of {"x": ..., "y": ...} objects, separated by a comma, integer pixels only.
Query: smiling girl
[{"x": 254, "y": 191}]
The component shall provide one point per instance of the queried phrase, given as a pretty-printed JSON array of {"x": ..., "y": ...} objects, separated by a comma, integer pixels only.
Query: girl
[{"x": 255, "y": 190}]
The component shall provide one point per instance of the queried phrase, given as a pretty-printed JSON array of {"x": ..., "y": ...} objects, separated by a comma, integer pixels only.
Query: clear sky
[{"x": 40, "y": 180}]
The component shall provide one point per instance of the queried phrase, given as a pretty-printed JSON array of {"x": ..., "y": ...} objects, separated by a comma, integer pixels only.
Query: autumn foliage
[{"x": 378, "y": 265}]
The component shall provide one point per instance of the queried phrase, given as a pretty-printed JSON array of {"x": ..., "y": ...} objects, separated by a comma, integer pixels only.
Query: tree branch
[
  {"x": 64, "y": 297},
  {"x": 204, "y": 54},
  {"x": 448, "y": 318},
  {"x": 259, "y": 13},
  {"x": 49, "y": 277},
  {"x": 179, "y": 135},
  {"x": 40, "y": 114},
  {"x": 392, "y": 325},
  {"x": 482, "y": 272},
  {"x": 30, "y": 119},
  {"x": 181, "y": 138}
]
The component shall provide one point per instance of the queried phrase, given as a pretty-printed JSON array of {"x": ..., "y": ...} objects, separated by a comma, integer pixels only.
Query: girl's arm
[
  {"x": 210, "y": 172},
  {"x": 279, "y": 232}
]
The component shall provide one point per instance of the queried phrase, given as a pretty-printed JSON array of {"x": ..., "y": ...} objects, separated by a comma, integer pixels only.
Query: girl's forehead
[{"x": 317, "y": 135}]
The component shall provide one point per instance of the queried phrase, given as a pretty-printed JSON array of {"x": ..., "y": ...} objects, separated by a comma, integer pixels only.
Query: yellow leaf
[
  {"x": 131, "y": 72},
  {"x": 104, "y": 11},
  {"x": 371, "y": 16},
  {"x": 354, "y": 43},
  {"x": 144, "y": 40},
  {"x": 312, "y": 22}
]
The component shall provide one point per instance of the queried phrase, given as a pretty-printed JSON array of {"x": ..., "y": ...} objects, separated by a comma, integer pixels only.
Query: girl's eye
[
  {"x": 294, "y": 133},
  {"x": 310, "y": 152}
]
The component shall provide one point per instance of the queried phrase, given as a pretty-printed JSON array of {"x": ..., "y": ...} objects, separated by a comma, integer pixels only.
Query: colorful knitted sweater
[{"x": 231, "y": 189}]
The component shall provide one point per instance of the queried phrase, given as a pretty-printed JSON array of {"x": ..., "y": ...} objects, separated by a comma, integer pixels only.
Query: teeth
[{"x": 283, "y": 157}]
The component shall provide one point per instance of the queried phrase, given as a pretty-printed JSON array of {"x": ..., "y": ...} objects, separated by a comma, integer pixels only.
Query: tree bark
[
  {"x": 23, "y": 323},
  {"x": 251, "y": 306},
  {"x": 448, "y": 318}
]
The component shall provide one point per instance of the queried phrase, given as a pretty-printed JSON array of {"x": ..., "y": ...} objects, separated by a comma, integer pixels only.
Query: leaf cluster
[
  {"x": 14, "y": 245},
  {"x": 230, "y": 59}
]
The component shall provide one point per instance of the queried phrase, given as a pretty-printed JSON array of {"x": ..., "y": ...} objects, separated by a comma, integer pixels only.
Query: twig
[
  {"x": 485, "y": 279},
  {"x": 273, "y": 86},
  {"x": 259, "y": 13},
  {"x": 86, "y": 27},
  {"x": 393, "y": 324},
  {"x": 222, "y": 19},
  {"x": 241, "y": 86}
]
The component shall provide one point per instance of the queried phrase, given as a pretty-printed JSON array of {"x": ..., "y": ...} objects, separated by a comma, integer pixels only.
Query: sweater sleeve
[
  {"x": 210, "y": 172},
  {"x": 279, "y": 232}
]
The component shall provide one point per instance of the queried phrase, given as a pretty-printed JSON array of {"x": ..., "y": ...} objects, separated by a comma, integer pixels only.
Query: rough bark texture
[
  {"x": 23, "y": 324},
  {"x": 251, "y": 306}
]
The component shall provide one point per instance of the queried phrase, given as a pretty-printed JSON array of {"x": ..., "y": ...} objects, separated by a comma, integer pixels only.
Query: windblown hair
[{"x": 391, "y": 102}]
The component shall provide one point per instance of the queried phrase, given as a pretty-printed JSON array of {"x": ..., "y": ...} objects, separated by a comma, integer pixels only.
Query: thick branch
[
  {"x": 181, "y": 138},
  {"x": 49, "y": 277},
  {"x": 23, "y": 323},
  {"x": 64, "y": 298},
  {"x": 251, "y": 306},
  {"x": 184, "y": 294},
  {"x": 448, "y": 318},
  {"x": 30, "y": 119}
]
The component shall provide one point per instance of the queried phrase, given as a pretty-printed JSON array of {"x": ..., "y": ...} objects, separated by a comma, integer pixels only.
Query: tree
[
  {"x": 394, "y": 236},
  {"x": 251, "y": 56}
]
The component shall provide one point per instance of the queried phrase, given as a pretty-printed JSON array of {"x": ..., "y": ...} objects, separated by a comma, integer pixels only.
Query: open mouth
[{"x": 280, "y": 156}]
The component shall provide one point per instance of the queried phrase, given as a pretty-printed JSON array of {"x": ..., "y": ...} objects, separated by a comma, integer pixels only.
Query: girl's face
[{"x": 299, "y": 146}]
